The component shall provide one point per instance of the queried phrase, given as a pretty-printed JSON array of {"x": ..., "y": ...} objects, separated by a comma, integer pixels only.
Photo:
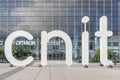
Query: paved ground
[{"x": 58, "y": 71}]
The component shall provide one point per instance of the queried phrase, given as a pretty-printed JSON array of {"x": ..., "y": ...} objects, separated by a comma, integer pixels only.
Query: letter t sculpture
[{"x": 104, "y": 34}]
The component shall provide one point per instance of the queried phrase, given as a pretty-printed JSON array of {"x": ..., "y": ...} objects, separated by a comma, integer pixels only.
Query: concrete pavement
[
  {"x": 52, "y": 72},
  {"x": 64, "y": 73}
]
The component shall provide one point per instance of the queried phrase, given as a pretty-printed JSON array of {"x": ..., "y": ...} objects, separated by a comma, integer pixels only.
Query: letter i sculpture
[{"x": 85, "y": 43}]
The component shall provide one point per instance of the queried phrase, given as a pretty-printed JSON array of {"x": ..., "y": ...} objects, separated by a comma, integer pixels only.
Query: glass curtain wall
[{"x": 35, "y": 16}]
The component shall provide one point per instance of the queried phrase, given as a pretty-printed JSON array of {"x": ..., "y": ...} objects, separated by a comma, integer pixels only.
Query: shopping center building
[{"x": 35, "y": 16}]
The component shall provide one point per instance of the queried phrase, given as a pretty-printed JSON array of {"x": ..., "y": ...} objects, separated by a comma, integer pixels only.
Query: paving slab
[
  {"x": 28, "y": 73},
  {"x": 58, "y": 71},
  {"x": 6, "y": 69},
  {"x": 66, "y": 73},
  {"x": 44, "y": 74}
]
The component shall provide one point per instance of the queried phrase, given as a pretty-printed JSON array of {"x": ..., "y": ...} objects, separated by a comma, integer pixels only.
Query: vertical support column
[{"x": 44, "y": 48}]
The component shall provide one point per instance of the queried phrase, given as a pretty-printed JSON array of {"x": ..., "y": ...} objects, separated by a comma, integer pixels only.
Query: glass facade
[{"x": 35, "y": 16}]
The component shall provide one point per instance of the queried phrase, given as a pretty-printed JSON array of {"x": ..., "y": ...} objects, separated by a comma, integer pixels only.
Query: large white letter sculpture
[
  {"x": 85, "y": 43},
  {"x": 104, "y": 34},
  {"x": 45, "y": 37},
  {"x": 8, "y": 48}
]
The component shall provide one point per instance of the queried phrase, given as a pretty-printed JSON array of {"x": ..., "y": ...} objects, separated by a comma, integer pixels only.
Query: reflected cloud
[{"x": 39, "y": 15}]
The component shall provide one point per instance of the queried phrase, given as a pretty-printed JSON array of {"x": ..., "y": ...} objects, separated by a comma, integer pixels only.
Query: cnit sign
[{"x": 45, "y": 37}]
